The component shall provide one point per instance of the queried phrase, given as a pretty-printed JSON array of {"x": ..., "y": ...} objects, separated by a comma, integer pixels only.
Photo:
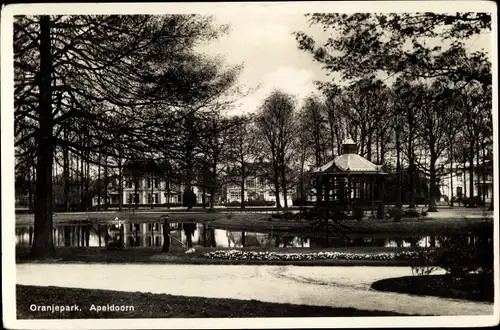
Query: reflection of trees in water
[{"x": 189, "y": 229}]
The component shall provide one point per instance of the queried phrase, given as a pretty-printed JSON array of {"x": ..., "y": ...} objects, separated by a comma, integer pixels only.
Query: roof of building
[
  {"x": 349, "y": 141},
  {"x": 350, "y": 163}
]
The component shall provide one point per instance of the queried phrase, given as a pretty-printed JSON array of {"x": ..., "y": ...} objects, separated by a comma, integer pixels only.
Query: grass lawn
[
  {"x": 147, "y": 305},
  {"x": 471, "y": 287},
  {"x": 177, "y": 256}
]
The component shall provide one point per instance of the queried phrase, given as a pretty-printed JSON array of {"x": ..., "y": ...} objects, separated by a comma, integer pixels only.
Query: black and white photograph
[{"x": 249, "y": 165}]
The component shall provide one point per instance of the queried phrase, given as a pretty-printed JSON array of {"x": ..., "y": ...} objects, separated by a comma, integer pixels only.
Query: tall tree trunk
[
  {"x": 213, "y": 185},
  {"x": 276, "y": 180},
  {"x": 302, "y": 196},
  {"x": 120, "y": 182},
  {"x": 88, "y": 197},
  {"x": 43, "y": 244},
  {"x": 31, "y": 179},
  {"x": 413, "y": 192},
  {"x": 82, "y": 184},
  {"x": 483, "y": 172},
  {"x": 66, "y": 173},
  {"x": 411, "y": 157},
  {"x": 465, "y": 177},
  {"x": 433, "y": 186},
  {"x": 106, "y": 182},
  {"x": 398, "y": 171},
  {"x": 382, "y": 149},
  {"x": 478, "y": 170},
  {"x": 284, "y": 186},
  {"x": 152, "y": 191},
  {"x": 369, "y": 147},
  {"x": 242, "y": 184},
  {"x": 167, "y": 186},
  {"x": 204, "y": 196},
  {"x": 100, "y": 181},
  {"x": 471, "y": 174},
  {"x": 136, "y": 192},
  {"x": 451, "y": 174},
  {"x": 332, "y": 137}
]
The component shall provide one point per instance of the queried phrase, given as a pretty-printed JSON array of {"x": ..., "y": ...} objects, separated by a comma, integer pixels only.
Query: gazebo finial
[{"x": 349, "y": 146}]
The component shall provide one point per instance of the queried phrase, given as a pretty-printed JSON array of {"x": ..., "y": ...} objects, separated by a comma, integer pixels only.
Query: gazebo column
[
  {"x": 349, "y": 192},
  {"x": 319, "y": 191},
  {"x": 362, "y": 187},
  {"x": 326, "y": 191},
  {"x": 381, "y": 196},
  {"x": 372, "y": 194}
]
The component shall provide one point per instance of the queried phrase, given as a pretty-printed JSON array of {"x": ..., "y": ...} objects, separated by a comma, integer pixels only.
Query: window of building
[
  {"x": 250, "y": 183},
  {"x": 148, "y": 182},
  {"x": 129, "y": 183},
  {"x": 156, "y": 182},
  {"x": 235, "y": 196},
  {"x": 149, "y": 241},
  {"x": 157, "y": 199},
  {"x": 157, "y": 241},
  {"x": 459, "y": 191}
]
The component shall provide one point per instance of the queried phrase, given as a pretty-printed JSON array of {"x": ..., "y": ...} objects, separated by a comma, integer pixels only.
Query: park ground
[
  {"x": 343, "y": 291},
  {"x": 176, "y": 284}
]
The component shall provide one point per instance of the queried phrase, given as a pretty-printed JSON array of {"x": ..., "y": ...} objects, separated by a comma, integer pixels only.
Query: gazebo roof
[{"x": 349, "y": 163}]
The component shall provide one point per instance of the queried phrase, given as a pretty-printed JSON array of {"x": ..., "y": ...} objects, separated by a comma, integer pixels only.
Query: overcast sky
[{"x": 264, "y": 43}]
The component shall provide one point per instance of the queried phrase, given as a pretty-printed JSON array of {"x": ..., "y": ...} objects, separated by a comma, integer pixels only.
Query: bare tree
[
  {"x": 243, "y": 150},
  {"x": 277, "y": 125}
]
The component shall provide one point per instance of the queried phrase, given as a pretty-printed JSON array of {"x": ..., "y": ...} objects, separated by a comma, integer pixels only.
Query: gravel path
[{"x": 323, "y": 286}]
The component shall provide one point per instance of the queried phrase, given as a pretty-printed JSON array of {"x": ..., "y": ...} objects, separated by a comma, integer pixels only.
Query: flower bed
[{"x": 253, "y": 255}]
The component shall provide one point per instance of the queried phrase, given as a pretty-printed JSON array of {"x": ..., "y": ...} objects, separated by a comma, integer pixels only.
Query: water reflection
[{"x": 151, "y": 235}]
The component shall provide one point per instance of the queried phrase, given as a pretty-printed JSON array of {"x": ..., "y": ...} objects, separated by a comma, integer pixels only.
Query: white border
[{"x": 8, "y": 225}]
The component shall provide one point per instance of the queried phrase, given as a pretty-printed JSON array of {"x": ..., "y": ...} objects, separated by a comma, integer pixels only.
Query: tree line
[
  {"x": 103, "y": 97},
  {"x": 108, "y": 90}
]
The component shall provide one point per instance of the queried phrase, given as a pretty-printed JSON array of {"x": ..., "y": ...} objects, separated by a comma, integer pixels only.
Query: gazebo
[{"x": 348, "y": 182}]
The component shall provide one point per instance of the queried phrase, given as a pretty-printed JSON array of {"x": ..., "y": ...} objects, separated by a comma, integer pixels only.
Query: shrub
[
  {"x": 189, "y": 198},
  {"x": 411, "y": 213},
  {"x": 423, "y": 262},
  {"x": 475, "y": 201},
  {"x": 381, "y": 211},
  {"x": 396, "y": 213},
  {"x": 460, "y": 258},
  {"x": 358, "y": 213},
  {"x": 285, "y": 215}
]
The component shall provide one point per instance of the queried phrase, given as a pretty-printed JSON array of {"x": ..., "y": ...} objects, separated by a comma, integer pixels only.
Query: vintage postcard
[{"x": 250, "y": 165}]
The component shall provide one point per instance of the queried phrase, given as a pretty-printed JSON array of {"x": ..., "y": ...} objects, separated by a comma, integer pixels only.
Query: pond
[{"x": 151, "y": 235}]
